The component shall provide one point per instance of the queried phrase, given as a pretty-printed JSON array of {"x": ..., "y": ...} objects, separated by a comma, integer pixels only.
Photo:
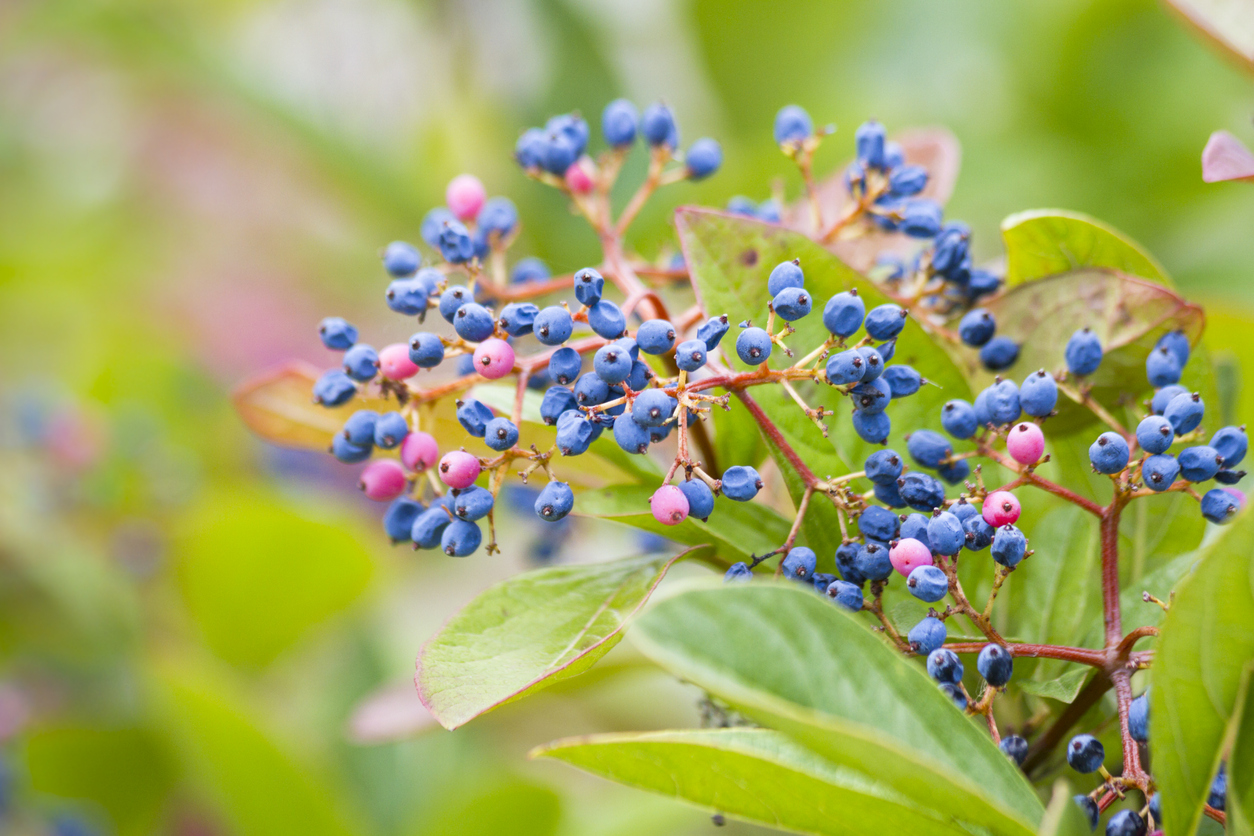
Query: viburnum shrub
[{"x": 996, "y": 478}]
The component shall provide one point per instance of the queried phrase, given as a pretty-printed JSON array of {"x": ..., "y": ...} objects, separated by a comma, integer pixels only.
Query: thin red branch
[
  {"x": 776, "y": 438},
  {"x": 1031, "y": 478},
  {"x": 1110, "y": 573},
  {"x": 1079, "y": 655}
]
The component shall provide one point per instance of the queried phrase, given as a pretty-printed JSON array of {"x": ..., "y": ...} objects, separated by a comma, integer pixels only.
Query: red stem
[
  {"x": 772, "y": 433},
  {"x": 1080, "y": 655}
]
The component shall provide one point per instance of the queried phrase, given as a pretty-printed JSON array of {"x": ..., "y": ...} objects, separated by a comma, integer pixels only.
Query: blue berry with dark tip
[
  {"x": 401, "y": 259},
  {"x": 999, "y": 353},
  {"x": 1138, "y": 718},
  {"x": 872, "y": 427},
  {"x": 455, "y": 243},
  {"x": 1218, "y": 796},
  {"x": 1039, "y": 394},
  {"x": 1155, "y": 434},
  {"x": 945, "y": 533},
  {"x": 1229, "y": 477},
  {"x": 927, "y": 583},
  {"x": 390, "y": 430},
  {"x": 553, "y": 325},
  {"x": 873, "y": 562},
  {"x": 1156, "y": 807},
  {"x": 844, "y": 313},
  {"x": 885, "y": 322},
  {"x": 873, "y": 362},
  {"x": 700, "y": 498},
  {"x": 361, "y": 362},
  {"x": 1126, "y": 823},
  {"x": 407, "y": 296},
  {"x": 959, "y": 419},
  {"x": 460, "y": 538},
  {"x": 1014, "y": 747},
  {"x": 518, "y": 318},
  {"x": 914, "y": 527},
  {"x": 847, "y": 563},
  {"x": 658, "y": 126},
  {"x": 799, "y": 563},
  {"x": 883, "y": 466},
  {"x": 640, "y": 376},
  {"x": 741, "y": 483},
  {"x": 928, "y": 448},
  {"x": 1109, "y": 453},
  {"x": 337, "y": 334},
  {"x": 473, "y": 322},
  {"x": 453, "y": 298},
  {"x": 926, "y": 636},
  {"x": 738, "y": 573},
  {"x": 1158, "y": 473},
  {"x": 1085, "y": 753},
  {"x": 887, "y": 493},
  {"x": 1163, "y": 397},
  {"x": 921, "y": 217},
  {"x": 955, "y": 694},
  {"x": 845, "y": 594},
  {"x": 704, "y": 157},
  {"x": 821, "y": 581},
  {"x": 565, "y": 364},
  {"x": 500, "y": 434},
  {"x": 869, "y": 141},
  {"x": 887, "y": 350},
  {"x": 655, "y": 336},
  {"x": 979, "y": 533},
  {"x": 1231, "y": 443},
  {"x": 398, "y": 520},
  {"x": 429, "y": 526},
  {"x": 1185, "y": 412},
  {"x": 955, "y": 472},
  {"x": 792, "y": 124},
  {"x": 589, "y": 285},
  {"x": 922, "y": 491},
  {"x": 472, "y": 503},
  {"x": 1197, "y": 464},
  {"x": 359, "y": 428},
  {"x": 334, "y": 388},
  {"x": 433, "y": 225},
  {"x": 1089, "y": 807},
  {"x": 871, "y": 397},
  {"x": 792, "y": 303},
  {"x": 878, "y": 523},
  {"x": 1009, "y": 546},
  {"x": 977, "y": 327},
  {"x": 944, "y": 665},
  {"x": 618, "y": 123},
  {"x": 347, "y": 452},
  {"x": 474, "y": 416},
  {"x": 591, "y": 389},
  {"x": 1177, "y": 342},
  {"x": 1219, "y": 506},
  {"x": 426, "y": 350},
  {"x": 995, "y": 663},
  {"x": 753, "y": 346},
  {"x": 607, "y": 320},
  {"x": 907, "y": 180},
  {"x": 712, "y": 331},
  {"x": 903, "y": 381},
  {"x": 652, "y": 408},
  {"x": 630, "y": 435},
  {"x": 612, "y": 364},
  {"x": 785, "y": 274},
  {"x": 690, "y": 355},
  {"x": 845, "y": 367},
  {"x": 556, "y": 400},
  {"x": 1162, "y": 367},
  {"x": 1083, "y": 352},
  {"x": 554, "y": 502}
]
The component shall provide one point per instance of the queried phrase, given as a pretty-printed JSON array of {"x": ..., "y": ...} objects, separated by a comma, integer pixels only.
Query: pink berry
[
  {"x": 1001, "y": 508},
  {"x": 669, "y": 505},
  {"x": 494, "y": 358},
  {"x": 394, "y": 362},
  {"x": 909, "y": 554},
  {"x": 382, "y": 480},
  {"x": 1025, "y": 443},
  {"x": 464, "y": 196},
  {"x": 459, "y": 469},
  {"x": 419, "y": 451},
  {"x": 579, "y": 178}
]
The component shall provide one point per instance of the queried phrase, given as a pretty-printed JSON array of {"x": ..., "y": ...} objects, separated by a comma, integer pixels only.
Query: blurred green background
[{"x": 190, "y": 620}]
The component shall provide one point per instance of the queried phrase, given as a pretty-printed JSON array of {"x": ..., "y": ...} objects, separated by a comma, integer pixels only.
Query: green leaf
[
  {"x": 736, "y": 529},
  {"x": 1227, "y": 23},
  {"x": 786, "y": 657},
  {"x": 753, "y": 774},
  {"x": 1207, "y": 639},
  {"x": 530, "y": 631},
  {"x": 1064, "y": 689},
  {"x": 1045, "y": 242},
  {"x": 1240, "y": 801},
  {"x": 1159, "y": 583},
  {"x": 1063, "y": 816}
]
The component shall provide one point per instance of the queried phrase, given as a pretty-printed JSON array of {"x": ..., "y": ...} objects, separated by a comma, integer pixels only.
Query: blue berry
[
  {"x": 655, "y": 336},
  {"x": 1163, "y": 397},
  {"x": 1039, "y": 394},
  {"x": 845, "y": 367},
  {"x": 1159, "y": 472},
  {"x": 1138, "y": 718},
  {"x": 337, "y": 334},
  {"x": 690, "y": 355},
  {"x": 928, "y": 448},
  {"x": 964, "y": 510},
  {"x": 700, "y": 497},
  {"x": 591, "y": 389},
  {"x": 553, "y": 325},
  {"x": 871, "y": 398},
  {"x": 887, "y": 493},
  {"x": 472, "y": 503},
  {"x": 1185, "y": 412},
  {"x": 571, "y": 126},
  {"x": 1126, "y": 823},
  {"x": 574, "y": 433},
  {"x": 1085, "y": 753},
  {"x": 792, "y": 125},
  {"x": 1218, "y": 796},
  {"x": 741, "y": 205},
  {"x": 955, "y": 694},
  {"x": 640, "y": 376},
  {"x": 618, "y": 123},
  {"x": 518, "y": 318},
  {"x": 712, "y": 331},
  {"x": 589, "y": 285},
  {"x": 1083, "y": 352},
  {"x": 658, "y": 126},
  {"x": 847, "y": 563},
  {"x": 894, "y": 154},
  {"x": 401, "y": 259},
  {"x": 426, "y": 350},
  {"x": 873, "y": 362},
  {"x": 500, "y": 434},
  {"x": 885, "y": 321},
  {"x": 565, "y": 364},
  {"x": 347, "y": 452},
  {"x": 429, "y": 526},
  {"x": 792, "y": 303},
  {"x": 738, "y": 573},
  {"x": 955, "y": 472},
  {"x": 453, "y": 298},
  {"x": 1089, "y": 807},
  {"x": 1232, "y": 444},
  {"x": 460, "y": 538},
  {"x": 927, "y": 583},
  {"x": 907, "y": 180},
  {"x": 474, "y": 416},
  {"x": 1162, "y": 368},
  {"x": 1156, "y": 807},
  {"x": 943, "y": 665},
  {"x": 529, "y": 151},
  {"x": 844, "y": 313},
  {"x": 753, "y": 346},
  {"x": 883, "y": 466},
  {"x": 1219, "y": 506},
  {"x": 999, "y": 353},
  {"x": 652, "y": 408},
  {"x": 921, "y": 491},
  {"x": 1009, "y": 546},
  {"x": 607, "y": 320},
  {"x": 473, "y": 322},
  {"x": 631, "y": 436},
  {"x": 361, "y": 362},
  {"x": 926, "y": 636},
  {"x": 703, "y": 158},
  {"x": 390, "y": 430},
  {"x": 873, "y": 562},
  {"x": 959, "y": 419},
  {"x": 768, "y": 210},
  {"x": 977, "y": 327},
  {"x": 556, "y": 400},
  {"x": 1177, "y": 342},
  {"x": 630, "y": 344},
  {"x": 878, "y": 523},
  {"x": 1197, "y": 464},
  {"x": 887, "y": 350},
  {"x": 456, "y": 245},
  {"x": 334, "y": 388},
  {"x": 979, "y": 533},
  {"x": 785, "y": 274},
  {"x": 872, "y": 427},
  {"x": 529, "y": 270},
  {"x": 995, "y": 664},
  {"x": 982, "y": 415},
  {"x": 950, "y": 250},
  {"x": 359, "y": 428},
  {"x": 914, "y": 527},
  {"x": 612, "y": 364},
  {"x": 799, "y": 563},
  {"x": 398, "y": 520},
  {"x": 869, "y": 142},
  {"x": 845, "y": 594},
  {"x": 1109, "y": 453},
  {"x": 1014, "y": 747},
  {"x": 945, "y": 533},
  {"x": 433, "y": 224},
  {"x": 921, "y": 218},
  {"x": 741, "y": 483},
  {"x": 1229, "y": 477}
]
